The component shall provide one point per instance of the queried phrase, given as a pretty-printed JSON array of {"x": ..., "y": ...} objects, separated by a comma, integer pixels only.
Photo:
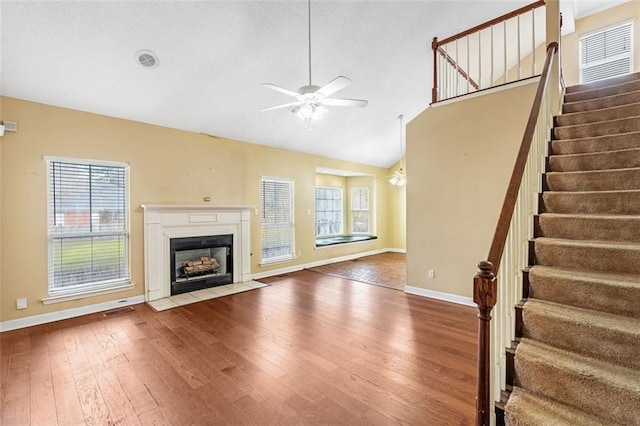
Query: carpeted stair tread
[
  {"x": 589, "y": 227},
  {"x": 602, "y": 128},
  {"x": 606, "y": 292},
  {"x": 528, "y": 409},
  {"x": 606, "y": 160},
  {"x": 598, "y": 256},
  {"x": 596, "y": 144},
  {"x": 593, "y": 180},
  {"x": 599, "y": 335},
  {"x": 599, "y": 92},
  {"x": 585, "y": 383},
  {"x": 598, "y": 115},
  {"x": 600, "y": 103},
  {"x": 623, "y": 202},
  {"x": 604, "y": 83}
]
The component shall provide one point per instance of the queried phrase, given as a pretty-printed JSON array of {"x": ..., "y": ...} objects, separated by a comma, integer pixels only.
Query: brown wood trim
[
  {"x": 457, "y": 67},
  {"x": 502, "y": 228},
  {"x": 492, "y": 22}
]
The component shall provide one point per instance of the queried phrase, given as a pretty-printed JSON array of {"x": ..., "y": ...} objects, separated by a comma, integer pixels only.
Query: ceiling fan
[{"x": 310, "y": 99}]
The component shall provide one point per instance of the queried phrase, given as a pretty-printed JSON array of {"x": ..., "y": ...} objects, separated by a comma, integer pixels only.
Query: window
[
  {"x": 88, "y": 226},
  {"x": 277, "y": 220},
  {"x": 328, "y": 211},
  {"x": 606, "y": 53},
  {"x": 360, "y": 210}
]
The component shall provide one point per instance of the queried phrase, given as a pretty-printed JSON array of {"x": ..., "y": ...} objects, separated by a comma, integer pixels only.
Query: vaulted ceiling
[{"x": 214, "y": 55}]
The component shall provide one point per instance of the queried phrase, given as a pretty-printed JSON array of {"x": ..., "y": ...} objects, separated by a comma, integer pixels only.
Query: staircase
[{"x": 577, "y": 359}]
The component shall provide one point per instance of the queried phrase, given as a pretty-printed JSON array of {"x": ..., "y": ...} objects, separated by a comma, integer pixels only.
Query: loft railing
[
  {"x": 508, "y": 252},
  {"x": 499, "y": 51}
]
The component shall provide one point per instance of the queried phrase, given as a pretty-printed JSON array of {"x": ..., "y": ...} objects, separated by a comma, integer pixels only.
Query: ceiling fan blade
[
  {"x": 345, "y": 102},
  {"x": 282, "y": 90},
  {"x": 333, "y": 86},
  {"x": 290, "y": 104}
]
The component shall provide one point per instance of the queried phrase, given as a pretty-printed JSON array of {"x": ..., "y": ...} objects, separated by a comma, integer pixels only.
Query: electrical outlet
[
  {"x": 431, "y": 273},
  {"x": 21, "y": 303},
  {"x": 299, "y": 253}
]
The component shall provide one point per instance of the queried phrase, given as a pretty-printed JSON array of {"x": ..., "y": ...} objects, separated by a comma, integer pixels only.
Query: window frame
[
  {"x": 354, "y": 210},
  {"x": 585, "y": 36},
  {"x": 92, "y": 288},
  {"x": 292, "y": 224},
  {"x": 341, "y": 191}
]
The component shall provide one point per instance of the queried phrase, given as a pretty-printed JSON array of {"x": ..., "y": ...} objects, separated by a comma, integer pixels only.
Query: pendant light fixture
[{"x": 399, "y": 177}]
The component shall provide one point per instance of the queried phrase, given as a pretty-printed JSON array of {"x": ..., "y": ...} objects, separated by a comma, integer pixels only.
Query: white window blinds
[
  {"x": 360, "y": 210},
  {"x": 277, "y": 220},
  {"x": 328, "y": 211},
  {"x": 606, "y": 53},
  {"x": 87, "y": 226}
]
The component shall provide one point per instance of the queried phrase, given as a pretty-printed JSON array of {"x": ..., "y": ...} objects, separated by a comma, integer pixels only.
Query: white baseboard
[
  {"x": 68, "y": 313},
  {"x": 447, "y": 297},
  {"x": 295, "y": 268}
]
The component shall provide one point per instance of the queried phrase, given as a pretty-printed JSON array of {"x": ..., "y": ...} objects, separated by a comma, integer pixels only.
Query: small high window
[{"x": 606, "y": 53}]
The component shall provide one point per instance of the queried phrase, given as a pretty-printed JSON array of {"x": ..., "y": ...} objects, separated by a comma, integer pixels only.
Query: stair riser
[
  {"x": 593, "y": 181},
  {"x": 604, "y": 83},
  {"x": 599, "y": 144},
  {"x": 609, "y": 297},
  {"x": 597, "y": 129},
  {"x": 620, "y": 347},
  {"x": 588, "y": 258},
  {"x": 630, "y": 86},
  {"x": 623, "y": 229},
  {"x": 607, "y": 102},
  {"x": 599, "y": 115},
  {"x": 592, "y": 395},
  {"x": 625, "y": 203}
]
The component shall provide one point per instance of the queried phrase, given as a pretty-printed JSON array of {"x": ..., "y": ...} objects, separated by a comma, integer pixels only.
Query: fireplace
[
  {"x": 200, "y": 262},
  {"x": 171, "y": 227}
]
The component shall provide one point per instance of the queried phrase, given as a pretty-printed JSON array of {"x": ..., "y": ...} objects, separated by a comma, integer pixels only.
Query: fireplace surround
[{"x": 184, "y": 225}]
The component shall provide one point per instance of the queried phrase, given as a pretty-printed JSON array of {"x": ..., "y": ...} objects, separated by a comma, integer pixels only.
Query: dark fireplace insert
[{"x": 200, "y": 262}]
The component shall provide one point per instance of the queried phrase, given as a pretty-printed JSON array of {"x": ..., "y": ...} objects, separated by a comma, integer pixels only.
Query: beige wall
[
  {"x": 167, "y": 167},
  {"x": 459, "y": 160},
  {"x": 614, "y": 15}
]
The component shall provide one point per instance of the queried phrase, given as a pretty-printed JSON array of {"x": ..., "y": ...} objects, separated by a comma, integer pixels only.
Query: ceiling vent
[{"x": 147, "y": 59}]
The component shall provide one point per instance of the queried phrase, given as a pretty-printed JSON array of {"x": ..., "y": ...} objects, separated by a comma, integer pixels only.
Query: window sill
[
  {"x": 59, "y": 298},
  {"x": 344, "y": 239},
  {"x": 278, "y": 260}
]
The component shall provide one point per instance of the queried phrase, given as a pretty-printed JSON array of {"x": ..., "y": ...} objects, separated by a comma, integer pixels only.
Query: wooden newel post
[
  {"x": 485, "y": 293},
  {"x": 434, "y": 91}
]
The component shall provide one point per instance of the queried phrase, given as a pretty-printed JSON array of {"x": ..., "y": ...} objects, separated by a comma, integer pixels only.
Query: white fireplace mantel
[{"x": 165, "y": 221}]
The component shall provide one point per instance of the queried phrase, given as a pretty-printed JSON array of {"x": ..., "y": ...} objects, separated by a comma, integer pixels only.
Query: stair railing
[
  {"x": 508, "y": 252},
  {"x": 499, "y": 51}
]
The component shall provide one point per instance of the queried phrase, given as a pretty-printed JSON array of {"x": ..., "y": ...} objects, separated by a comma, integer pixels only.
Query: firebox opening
[{"x": 200, "y": 262}]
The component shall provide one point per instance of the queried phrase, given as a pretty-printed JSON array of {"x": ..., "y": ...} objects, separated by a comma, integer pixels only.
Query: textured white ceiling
[{"x": 215, "y": 54}]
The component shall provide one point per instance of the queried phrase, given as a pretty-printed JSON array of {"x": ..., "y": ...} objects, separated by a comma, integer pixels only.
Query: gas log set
[{"x": 201, "y": 266}]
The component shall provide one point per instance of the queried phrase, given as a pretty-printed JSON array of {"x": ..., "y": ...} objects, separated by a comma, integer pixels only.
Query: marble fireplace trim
[{"x": 163, "y": 222}]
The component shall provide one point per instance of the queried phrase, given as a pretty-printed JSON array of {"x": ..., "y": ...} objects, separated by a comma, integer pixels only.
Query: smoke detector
[{"x": 147, "y": 59}]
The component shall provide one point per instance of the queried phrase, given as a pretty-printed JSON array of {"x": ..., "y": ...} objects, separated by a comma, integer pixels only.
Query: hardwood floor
[
  {"x": 308, "y": 349},
  {"x": 385, "y": 269}
]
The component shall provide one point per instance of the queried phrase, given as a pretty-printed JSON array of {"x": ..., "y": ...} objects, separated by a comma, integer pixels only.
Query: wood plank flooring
[{"x": 308, "y": 349}]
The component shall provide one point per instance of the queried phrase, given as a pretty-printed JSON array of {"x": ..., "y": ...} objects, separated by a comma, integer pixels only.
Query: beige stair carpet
[{"x": 577, "y": 360}]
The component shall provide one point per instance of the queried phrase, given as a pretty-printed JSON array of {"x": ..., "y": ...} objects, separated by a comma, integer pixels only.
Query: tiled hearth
[{"x": 206, "y": 294}]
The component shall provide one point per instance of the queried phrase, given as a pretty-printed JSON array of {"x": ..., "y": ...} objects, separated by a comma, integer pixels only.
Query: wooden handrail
[
  {"x": 502, "y": 228},
  {"x": 453, "y": 63},
  {"x": 492, "y": 22},
  {"x": 485, "y": 285}
]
